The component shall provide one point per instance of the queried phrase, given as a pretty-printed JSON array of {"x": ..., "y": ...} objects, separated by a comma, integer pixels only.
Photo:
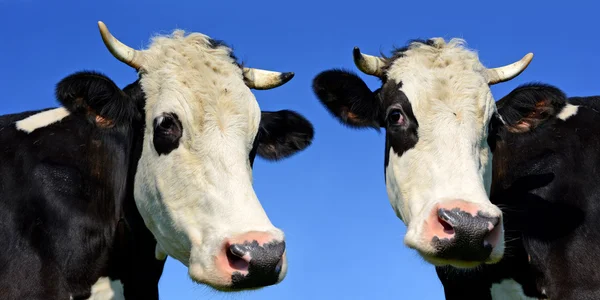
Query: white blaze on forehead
[
  {"x": 508, "y": 289},
  {"x": 42, "y": 119},
  {"x": 106, "y": 289},
  {"x": 568, "y": 111}
]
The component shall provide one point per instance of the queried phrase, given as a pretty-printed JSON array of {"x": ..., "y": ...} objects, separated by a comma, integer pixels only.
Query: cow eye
[
  {"x": 167, "y": 132},
  {"x": 395, "y": 117}
]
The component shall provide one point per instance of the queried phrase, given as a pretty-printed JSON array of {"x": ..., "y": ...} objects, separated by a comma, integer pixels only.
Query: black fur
[
  {"x": 92, "y": 93},
  {"x": 351, "y": 102},
  {"x": 544, "y": 181},
  {"x": 283, "y": 133},
  {"x": 137, "y": 96},
  {"x": 348, "y": 99},
  {"x": 253, "y": 152},
  {"x": 399, "y": 138},
  {"x": 66, "y": 202},
  {"x": 531, "y": 104},
  {"x": 213, "y": 43}
]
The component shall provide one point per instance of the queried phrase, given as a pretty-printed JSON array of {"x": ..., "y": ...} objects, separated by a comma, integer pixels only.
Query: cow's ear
[
  {"x": 348, "y": 98},
  {"x": 97, "y": 98},
  {"x": 529, "y": 106},
  {"x": 282, "y": 134}
]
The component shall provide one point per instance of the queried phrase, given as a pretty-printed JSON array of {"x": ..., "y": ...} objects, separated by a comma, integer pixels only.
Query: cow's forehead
[
  {"x": 189, "y": 52},
  {"x": 441, "y": 77},
  {"x": 193, "y": 61},
  {"x": 194, "y": 75}
]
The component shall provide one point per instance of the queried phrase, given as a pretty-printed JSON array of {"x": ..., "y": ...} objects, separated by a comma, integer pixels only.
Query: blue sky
[{"x": 344, "y": 241}]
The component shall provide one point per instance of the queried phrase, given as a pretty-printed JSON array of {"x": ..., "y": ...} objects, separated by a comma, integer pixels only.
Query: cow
[
  {"x": 545, "y": 160},
  {"x": 96, "y": 193},
  {"x": 497, "y": 196}
]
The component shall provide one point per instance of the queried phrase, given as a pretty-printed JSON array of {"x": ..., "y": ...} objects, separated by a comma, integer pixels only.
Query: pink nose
[
  {"x": 459, "y": 230},
  {"x": 253, "y": 259}
]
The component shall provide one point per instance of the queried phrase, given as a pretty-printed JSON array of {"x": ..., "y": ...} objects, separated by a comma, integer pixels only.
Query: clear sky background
[{"x": 343, "y": 239}]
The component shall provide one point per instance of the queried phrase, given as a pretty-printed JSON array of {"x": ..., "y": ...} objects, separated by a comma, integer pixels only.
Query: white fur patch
[
  {"x": 42, "y": 119},
  {"x": 508, "y": 289},
  {"x": 106, "y": 289},
  {"x": 568, "y": 111}
]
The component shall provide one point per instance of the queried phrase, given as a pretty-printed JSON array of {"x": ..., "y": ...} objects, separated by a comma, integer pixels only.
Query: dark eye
[
  {"x": 396, "y": 117},
  {"x": 167, "y": 132}
]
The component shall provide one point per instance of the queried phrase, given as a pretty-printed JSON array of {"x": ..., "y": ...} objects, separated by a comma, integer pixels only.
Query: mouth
[
  {"x": 232, "y": 286},
  {"x": 460, "y": 264},
  {"x": 230, "y": 289},
  {"x": 223, "y": 286}
]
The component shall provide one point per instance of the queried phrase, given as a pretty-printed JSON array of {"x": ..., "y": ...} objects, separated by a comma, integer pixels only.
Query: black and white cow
[
  {"x": 442, "y": 126},
  {"x": 546, "y": 158},
  {"x": 96, "y": 193}
]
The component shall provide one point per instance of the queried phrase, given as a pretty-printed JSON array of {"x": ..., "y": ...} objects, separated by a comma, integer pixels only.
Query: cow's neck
[{"x": 134, "y": 263}]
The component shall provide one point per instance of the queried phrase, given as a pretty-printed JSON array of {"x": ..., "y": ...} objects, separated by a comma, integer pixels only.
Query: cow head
[
  {"x": 203, "y": 128},
  {"x": 436, "y": 107}
]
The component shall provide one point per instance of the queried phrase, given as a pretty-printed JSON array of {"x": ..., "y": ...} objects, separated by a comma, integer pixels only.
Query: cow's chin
[
  {"x": 211, "y": 278},
  {"x": 460, "y": 264},
  {"x": 224, "y": 284}
]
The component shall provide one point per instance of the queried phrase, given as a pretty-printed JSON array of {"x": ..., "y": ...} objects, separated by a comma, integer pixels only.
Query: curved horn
[
  {"x": 372, "y": 65},
  {"x": 508, "y": 72},
  {"x": 263, "y": 80},
  {"x": 122, "y": 52}
]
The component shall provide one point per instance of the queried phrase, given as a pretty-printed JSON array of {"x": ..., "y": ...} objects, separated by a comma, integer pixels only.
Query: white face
[
  {"x": 438, "y": 106},
  {"x": 193, "y": 185}
]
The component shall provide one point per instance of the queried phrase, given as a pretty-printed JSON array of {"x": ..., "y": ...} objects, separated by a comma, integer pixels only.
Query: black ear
[
  {"x": 137, "y": 95},
  {"x": 348, "y": 98},
  {"x": 283, "y": 133},
  {"x": 529, "y": 106},
  {"x": 96, "y": 97}
]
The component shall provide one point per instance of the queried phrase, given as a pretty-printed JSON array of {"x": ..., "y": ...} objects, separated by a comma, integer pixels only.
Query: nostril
[
  {"x": 448, "y": 229},
  {"x": 446, "y": 218},
  {"x": 237, "y": 257},
  {"x": 237, "y": 250}
]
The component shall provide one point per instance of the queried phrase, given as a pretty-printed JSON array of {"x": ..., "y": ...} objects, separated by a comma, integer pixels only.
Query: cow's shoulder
[{"x": 9, "y": 119}]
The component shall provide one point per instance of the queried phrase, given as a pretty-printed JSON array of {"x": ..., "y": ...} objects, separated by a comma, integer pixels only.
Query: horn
[
  {"x": 372, "y": 65},
  {"x": 263, "y": 80},
  {"x": 122, "y": 52},
  {"x": 508, "y": 72}
]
